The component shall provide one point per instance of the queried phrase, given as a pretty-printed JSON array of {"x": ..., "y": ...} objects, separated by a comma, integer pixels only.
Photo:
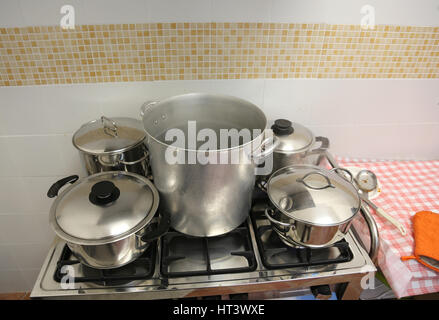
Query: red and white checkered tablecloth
[{"x": 406, "y": 188}]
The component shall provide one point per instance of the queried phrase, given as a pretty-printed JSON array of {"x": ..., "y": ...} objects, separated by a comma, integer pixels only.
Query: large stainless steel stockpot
[
  {"x": 313, "y": 207},
  {"x": 106, "y": 218},
  {"x": 296, "y": 145},
  {"x": 115, "y": 144},
  {"x": 204, "y": 199}
]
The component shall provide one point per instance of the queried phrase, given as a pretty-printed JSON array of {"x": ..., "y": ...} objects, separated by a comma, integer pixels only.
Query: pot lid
[
  {"x": 313, "y": 195},
  {"x": 104, "y": 207},
  {"x": 109, "y": 135},
  {"x": 293, "y": 137}
]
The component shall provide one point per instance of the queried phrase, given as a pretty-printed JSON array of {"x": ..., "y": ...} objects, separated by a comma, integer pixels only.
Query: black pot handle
[
  {"x": 162, "y": 228},
  {"x": 54, "y": 189}
]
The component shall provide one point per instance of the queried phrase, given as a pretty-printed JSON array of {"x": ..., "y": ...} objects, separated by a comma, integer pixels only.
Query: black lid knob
[
  {"x": 282, "y": 127},
  {"x": 103, "y": 192}
]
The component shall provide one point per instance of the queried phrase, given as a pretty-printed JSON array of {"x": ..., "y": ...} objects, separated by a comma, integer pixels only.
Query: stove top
[
  {"x": 184, "y": 255},
  {"x": 140, "y": 269},
  {"x": 179, "y": 265}
]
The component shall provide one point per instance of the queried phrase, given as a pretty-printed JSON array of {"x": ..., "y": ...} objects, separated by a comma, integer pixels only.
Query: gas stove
[{"x": 248, "y": 262}]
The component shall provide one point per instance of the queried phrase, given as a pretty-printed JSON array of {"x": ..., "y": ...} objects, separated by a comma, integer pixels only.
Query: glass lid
[
  {"x": 313, "y": 195},
  {"x": 104, "y": 207},
  {"x": 293, "y": 137},
  {"x": 109, "y": 135}
]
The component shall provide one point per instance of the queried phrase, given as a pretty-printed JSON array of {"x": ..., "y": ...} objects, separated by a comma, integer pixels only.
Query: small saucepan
[
  {"x": 311, "y": 206},
  {"x": 106, "y": 218}
]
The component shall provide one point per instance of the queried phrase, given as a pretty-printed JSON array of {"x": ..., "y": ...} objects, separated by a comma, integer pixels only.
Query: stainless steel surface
[
  {"x": 105, "y": 235},
  {"x": 371, "y": 223},
  {"x": 298, "y": 147},
  {"x": 314, "y": 206},
  {"x": 203, "y": 199},
  {"x": 112, "y": 144},
  {"x": 75, "y": 218},
  {"x": 159, "y": 287}
]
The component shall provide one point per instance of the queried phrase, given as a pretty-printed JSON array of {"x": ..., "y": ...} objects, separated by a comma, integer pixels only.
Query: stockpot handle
[
  {"x": 273, "y": 220},
  {"x": 145, "y": 106},
  {"x": 162, "y": 227},
  {"x": 267, "y": 150},
  {"x": 144, "y": 157},
  {"x": 54, "y": 189},
  {"x": 324, "y": 145}
]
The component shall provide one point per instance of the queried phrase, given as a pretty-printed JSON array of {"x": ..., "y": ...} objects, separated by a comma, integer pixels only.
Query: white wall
[
  {"x": 19, "y": 13},
  {"x": 363, "y": 118}
]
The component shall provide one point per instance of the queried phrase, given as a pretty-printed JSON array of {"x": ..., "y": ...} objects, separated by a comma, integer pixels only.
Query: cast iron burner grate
[
  {"x": 140, "y": 269},
  {"x": 183, "y": 255},
  {"x": 275, "y": 254}
]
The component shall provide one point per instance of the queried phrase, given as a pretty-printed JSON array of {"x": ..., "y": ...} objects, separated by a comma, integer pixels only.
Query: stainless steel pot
[
  {"x": 297, "y": 145},
  {"x": 313, "y": 207},
  {"x": 115, "y": 144},
  {"x": 106, "y": 218},
  {"x": 204, "y": 199}
]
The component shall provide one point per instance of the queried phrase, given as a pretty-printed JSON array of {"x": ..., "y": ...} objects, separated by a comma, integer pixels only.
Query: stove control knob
[{"x": 322, "y": 292}]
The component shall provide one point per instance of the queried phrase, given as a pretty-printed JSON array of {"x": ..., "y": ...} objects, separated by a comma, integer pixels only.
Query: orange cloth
[{"x": 426, "y": 230}]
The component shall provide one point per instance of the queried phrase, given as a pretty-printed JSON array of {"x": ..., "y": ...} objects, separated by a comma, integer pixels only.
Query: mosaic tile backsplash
[{"x": 189, "y": 51}]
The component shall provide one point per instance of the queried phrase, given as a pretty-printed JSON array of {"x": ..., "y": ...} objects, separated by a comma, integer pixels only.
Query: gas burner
[
  {"x": 184, "y": 255},
  {"x": 140, "y": 269},
  {"x": 276, "y": 253}
]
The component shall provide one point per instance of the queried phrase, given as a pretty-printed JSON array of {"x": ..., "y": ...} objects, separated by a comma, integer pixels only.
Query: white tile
[
  {"x": 47, "y": 109},
  {"x": 21, "y": 111},
  {"x": 10, "y": 14},
  {"x": 12, "y": 281},
  {"x": 404, "y": 142},
  {"x": 116, "y": 11},
  {"x": 310, "y": 11},
  {"x": 36, "y": 155},
  {"x": 241, "y": 10},
  {"x": 251, "y": 90},
  {"x": 30, "y": 277},
  {"x": 179, "y": 11},
  {"x": 68, "y": 107},
  {"x": 125, "y": 99},
  {"x": 345, "y": 101},
  {"x": 287, "y": 99},
  {"x": 26, "y": 195},
  {"x": 47, "y": 12},
  {"x": 29, "y": 256},
  {"x": 25, "y": 229},
  {"x": 7, "y": 261}
]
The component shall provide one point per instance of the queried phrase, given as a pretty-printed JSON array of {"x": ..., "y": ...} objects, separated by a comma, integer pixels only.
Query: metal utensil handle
[
  {"x": 110, "y": 130},
  {"x": 385, "y": 215},
  {"x": 283, "y": 224},
  {"x": 145, "y": 106},
  {"x": 371, "y": 223},
  {"x": 129, "y": 163},
  {"x": 267, "y": 150},
  {"x": 329, "y": 185}
]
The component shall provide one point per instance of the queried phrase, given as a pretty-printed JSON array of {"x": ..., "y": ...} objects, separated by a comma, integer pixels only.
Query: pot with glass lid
[
  {"x": 107, "y": 218},
  {"x": 112, "y": 144},
  {"x": 311, "y": 206}
]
